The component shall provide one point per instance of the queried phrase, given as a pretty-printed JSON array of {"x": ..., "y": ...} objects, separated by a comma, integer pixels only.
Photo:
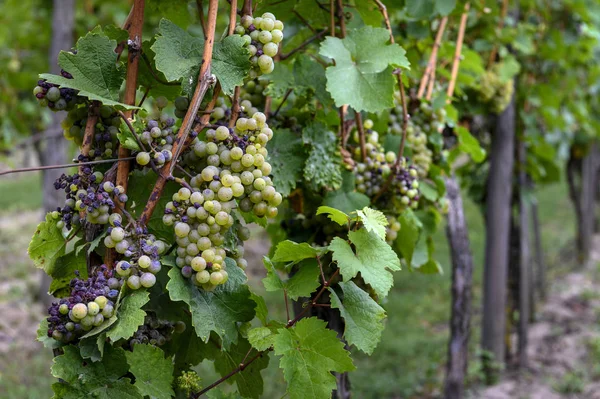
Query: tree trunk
[
  {"x": 581, "y": 176},
  {"x": 54, "y": 149},
  {"x": 462, "y": 274},
  {"x": 524, "y": 258},
  {"x": 498, "y": 209}
]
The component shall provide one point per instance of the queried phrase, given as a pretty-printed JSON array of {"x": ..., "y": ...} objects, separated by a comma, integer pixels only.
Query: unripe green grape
[
  {"x": 225, "y": 194},
  {"x": 251, "y": 124},
  {"x": 278, "y": 25},
  {"x": 98, "y": 320},
  {"x": 272, "y": 212},
  {"x": 208, "y": 255},
  {"x": 204, "y": 243},
  {"x": 87, "y": 321},
  {"x": 242, "y": 263},
  {"x": 182, "y": 229},
  {"x": 101, "y": 301},
  {"x": 267, "y": 24},
  {"x": 144, "y": 261},
  {"x": 198, "y": 264},
  {"x": 108, "y": 310},
  {"x": 240, "y": 124},
  {"x": 247, "y": 160},
  {"x": 277, "y": 198},
  {"x": 203, "y": 277},
  {"x": 257, "y": 173},
  {"x": 147, "y": 280},
  {"x": 79, "y": 311},
  {"x": 63, "y": 309},
  {"x": 260, "y": 209},
  {"x": 266, "y": 168},
  {"x": 182, "y": 103},
  {"x": 211, "y": 148},
  {"x": 216, "y": 278},
  {"x": 259, "y": 184},
  {"x": 122, "y": 246},
  {"x": 108, "y": 242},
  {"x": 134, "y": 283},
  {"x": 123, "y": 269},
  {"x": 222, "y": 218},
  {"x": 117, "y": 234},
  {"x": 264, "y": 61}
]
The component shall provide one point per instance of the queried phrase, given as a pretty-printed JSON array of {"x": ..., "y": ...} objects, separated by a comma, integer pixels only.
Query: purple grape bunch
[
  {"x": 88, "y": 195},
  {"x": 55, "y": 97},
  {"x": 155, "y": 331},
  {"x": 158, "y": 136},
  {"x": 91, "y": 302},
  {"x": 141, "y": 250}
]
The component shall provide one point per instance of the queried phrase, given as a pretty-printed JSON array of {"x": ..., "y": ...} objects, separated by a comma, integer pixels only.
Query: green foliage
[
  {"x": 346, "y": 198},
  {"x": 374, "y": 260},
  {"x": 304, "y": 281},
  {"x": 287, "y": 157},
  {"x": 362, "y": 75},
  {"x": 373, "y": 220},
  {"x": 323, "y": 166},
  {"x": 129, "y": 316},
  {"x": 152, "y": 371},
  {"x": 219, "y": 310},
  {"x": 362, "y": 316},
  {"x": 178, "y": 55},
  {"x": 96, "y": 73},
  {"x": 309, "y": 352}
]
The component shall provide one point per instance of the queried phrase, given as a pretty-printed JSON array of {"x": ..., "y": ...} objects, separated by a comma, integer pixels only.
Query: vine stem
[
  {"x": 235, "y": 106},
  {"x": 90, "y": 129},
  {"x": 361, "y": 135},
  {"x": 181, "y": 140},
  {"x": 290, "y": 324},
  {"x": 232, "y": 17},
  {"x": 332, "y": 18},
  {"x": 133, "y": 58},
  {"x": 304, "y": 44},
  {"x": 63, "y": 166},
  {"x": 494, "y": 51},
  {"x": 432, "y": 58},
  {"x": 459, "y": 43},
  {"x": 200, "y": 8},
  {"x": 247, "y": 7},
  {"x": 340, "y": 9}
]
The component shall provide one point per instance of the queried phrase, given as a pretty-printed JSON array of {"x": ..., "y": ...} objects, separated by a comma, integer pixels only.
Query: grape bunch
[
  {"x": 141, "y": 250},
  {"x": 105, "y": 140},
  {"x": 88, "y": 196},
  {"x": 495, "y": 91},
  {"x": 422, "y": 124},
  {"x": 392, "y": 229},
  {"x": 155, "y": 331},
  {"x": 188, "y": 382},
  {"x": 92, "y": 301},
  {"x": 159, "y": 136},
  {"x": 253, "y": 91},
  {"x": 53, "y": 96},
  {"x": 379, "y": 169},
  {"x": 262, "y": 36},
  {"x": 234, "y": 173}
]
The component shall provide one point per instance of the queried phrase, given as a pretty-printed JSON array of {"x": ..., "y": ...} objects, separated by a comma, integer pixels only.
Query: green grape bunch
[
  {"x": 495, "y": 91},
  {"x": 262, "y": 35}
]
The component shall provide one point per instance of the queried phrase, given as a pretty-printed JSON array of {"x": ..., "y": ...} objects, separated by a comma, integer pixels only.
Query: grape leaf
[
  {"x": 147, "y": 73},
  {"x": 445, "y": 7},
  {"x": 47, "y": 245},
  {"x": 287, "y": 157},
  {"x": 218, "y": 310},
  {"x": 152, "y": 371},
  {"x": 178, "y": 54},
  {"x": 420, "y": 9},
  {"x": 333, "y": 214},
  {"x": 42, "y": 336},
  {"x": 290, "y": 251},
  {"x": 362, "y": 74},
  {"x": 469, "y": 144},
  {"x": 309, "y": 353},
  {"x": 408, "y": 234},
  {"x": 374, "y": 259},
  {"x": 261, "y": 308},
  {"x": 250, "y": 217},
  {"x": 249, "y": 382},
  {"x": 129, "y": 315},
  {"x": 373, "y": 220},
  {"x": 96, "y": 73},
  {"x": 126, "y": 138},
  {"x": 323, "y": 167},
  {"x": 261, "y": 338},
  {"x": 174, "y": 10},
  {"x": 304, "y": 281},
  {"x": 92, "y": 347},
  {"x": 83, "y": 379},
  {"x": 346, "y": 199},
  {"x": 362, "y": 316},
  {"x": 64, "y": 271}
]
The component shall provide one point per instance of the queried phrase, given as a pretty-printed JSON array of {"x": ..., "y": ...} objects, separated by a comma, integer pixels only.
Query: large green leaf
[
  {"x": 373, "y": 220},
  {"x": 309, "y": 353},
  {"x": 82, "y": 379},
  {"x": 130, "y": 315},
  {"x": 323, "y": 167},
  {"x": 287, "y": 157},
  {"x": 178, "y": 54},
  {"x": 374, "y": 260},
  {"x": 362, "y": 316},
  {"x": 408, "y": 236},
  {"x": 96, "y": 73},
  {"x": 219, "y": 310},
  {"x": 290, "y": 251},
  {"x": 364, "y": 61},
  {"x": 152, "y": 371},
  {"x": 304, "y": 281}
]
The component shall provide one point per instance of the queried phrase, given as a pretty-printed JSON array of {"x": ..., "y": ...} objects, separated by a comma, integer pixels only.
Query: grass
[{"x": 409, "y": 361}]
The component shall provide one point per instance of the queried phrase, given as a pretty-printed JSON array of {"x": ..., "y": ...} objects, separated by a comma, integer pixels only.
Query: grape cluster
[
  {"x": 262, "y": 36},
  {"x": 233, "y": 174},
  {"x": 159, "y": 136},
  {"x": 373, "y": 173},
  {"x": 253, "y": 91},
  {"x": 188, "y": 382},
  {"x": 53, "y": 96},
  {"x": 105, "y": 139},
  {"x": 86, "y": 196},
  {"x": 392, "y": 229},
  {"x": 420, "y": 126},
  {"x": 141, "y": 250},
  {"x": 91, "y": 303},
  {"x": 496, "y": 92},
  {"x": 155, "y": 331}
]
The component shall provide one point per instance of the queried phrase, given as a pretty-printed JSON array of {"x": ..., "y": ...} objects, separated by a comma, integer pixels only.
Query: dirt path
[{"x": 564, "y": 345}]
